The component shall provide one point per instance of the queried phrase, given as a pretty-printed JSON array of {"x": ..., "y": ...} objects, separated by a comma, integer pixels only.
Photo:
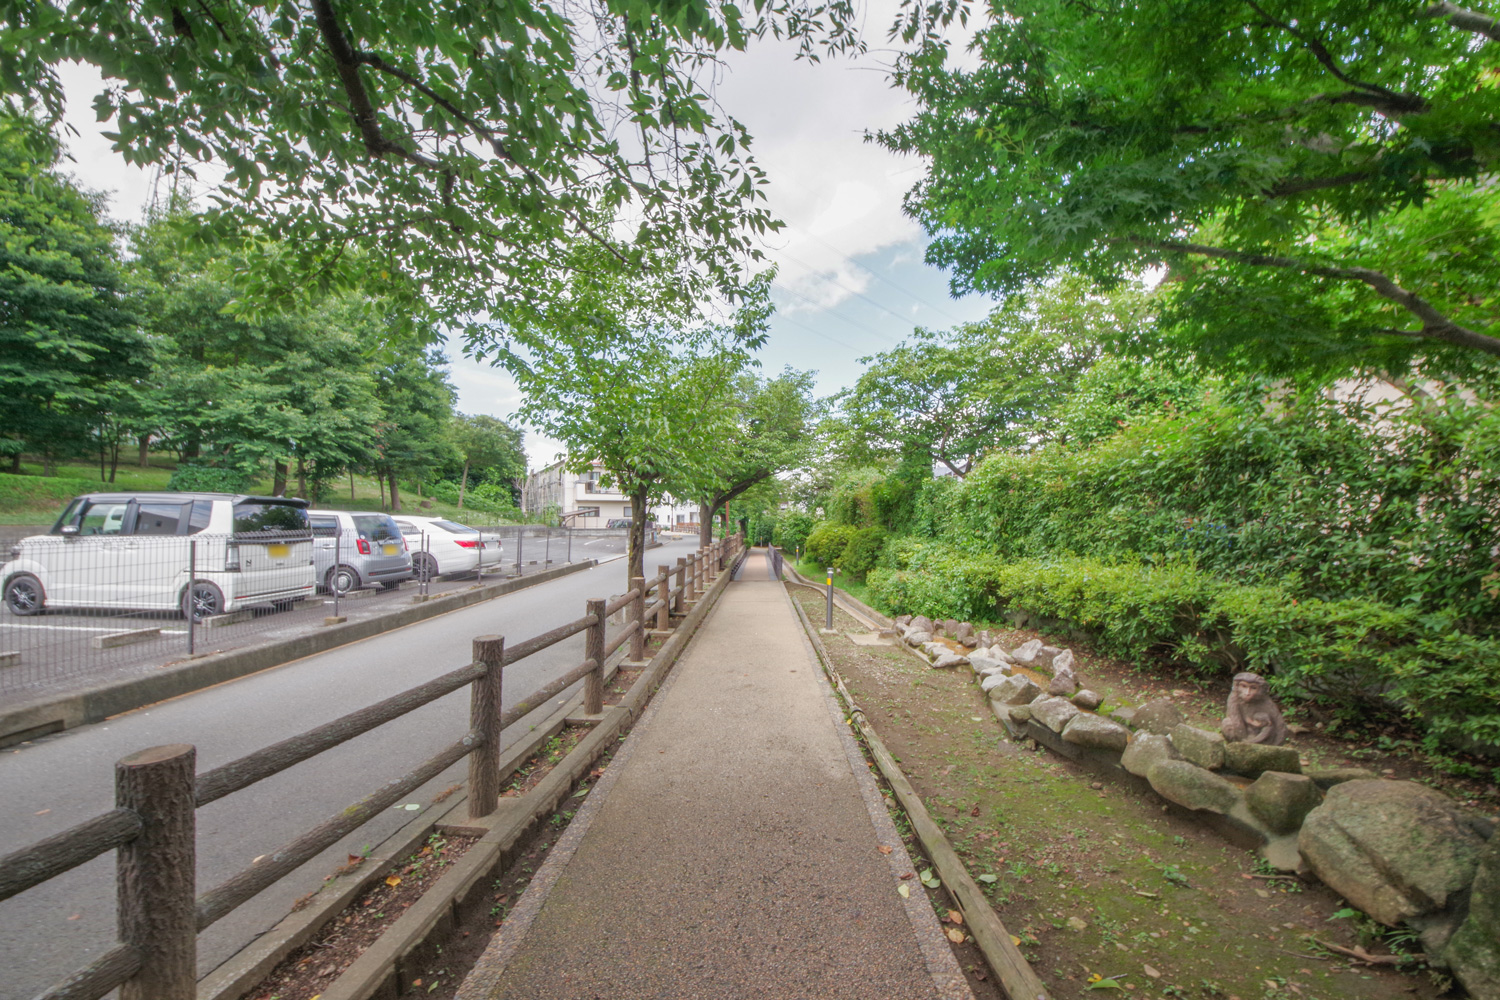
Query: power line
[{"x": 877, "y": 275}]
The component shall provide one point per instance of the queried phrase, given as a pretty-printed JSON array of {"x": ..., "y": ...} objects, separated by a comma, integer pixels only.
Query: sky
[{"x": 851, "y": 278}]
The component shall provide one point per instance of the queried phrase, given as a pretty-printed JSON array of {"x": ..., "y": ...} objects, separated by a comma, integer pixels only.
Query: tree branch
[
  {"x": 1314, "y": 45},
  {"x": 1465, "y": 19},
  {"x": 1297, "y": 185},
  {"x": 1435, "y": 325},
  {"x": 366, "y": 118}
]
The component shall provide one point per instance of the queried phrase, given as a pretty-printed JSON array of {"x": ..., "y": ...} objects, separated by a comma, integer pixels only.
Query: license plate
[
  {"x": 390, "y": 550},
  {"x": 278, "y": 551}
]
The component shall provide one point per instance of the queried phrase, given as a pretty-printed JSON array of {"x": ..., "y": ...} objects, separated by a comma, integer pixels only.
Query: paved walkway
[{"x": 732, "y": 848}]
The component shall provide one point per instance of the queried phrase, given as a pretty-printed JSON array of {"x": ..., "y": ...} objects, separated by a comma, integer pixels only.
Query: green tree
[
  {"x": 772, "y": 430},
  {"x": 987, "y": 386},
  {"x": 411, "y": 438},
  {"x": 490, "y": 445},
  {"x": 69, "y": 345},
  {"x": 1316, "y": 173},
  {"x": 655, "y": 413},
  {"x": 470, "y": 146}
]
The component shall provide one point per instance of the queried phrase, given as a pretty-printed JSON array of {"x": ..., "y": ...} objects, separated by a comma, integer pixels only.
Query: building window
[{"x": 626, "y": 512}]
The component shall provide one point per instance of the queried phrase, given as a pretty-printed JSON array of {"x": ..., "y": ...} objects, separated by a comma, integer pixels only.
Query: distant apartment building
[{"x": 578, "y": 497}]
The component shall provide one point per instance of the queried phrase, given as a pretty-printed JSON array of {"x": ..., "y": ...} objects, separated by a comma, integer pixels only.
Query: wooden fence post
[
  {"x": 638, "y": 615},
  {"x": 484, "y": 717},
  {"x": 663, "y": 589},
  {"x": 690, "y": 588},
  {"x": 156, "y": 873},
  {"x": 593, "y": 683},
  {"x": 681, "y": 584}
]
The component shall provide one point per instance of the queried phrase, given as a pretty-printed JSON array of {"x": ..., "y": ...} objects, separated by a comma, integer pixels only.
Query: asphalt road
[{"x": 49, "y": 785}]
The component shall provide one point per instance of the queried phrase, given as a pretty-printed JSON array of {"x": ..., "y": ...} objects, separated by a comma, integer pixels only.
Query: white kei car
[{"x": 440, "y": 547}]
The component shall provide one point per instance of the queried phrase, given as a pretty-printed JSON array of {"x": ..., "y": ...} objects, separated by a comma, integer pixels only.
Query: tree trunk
[
  {"x": 114, "y": 458},
  {"x": 636, "y": 560},
  {"x": 191, "y": 449},
  {"x": 144, "y": 460},
  {"x": 101, "y": 455},
  {"x": 395, "y": 496},
  {"x": 351, "y": 486},
  {"x": 49, "y": 463},
  {"x": 278, "y": 479},
  {"x": 301, "y": 477},
  {"x": 15, "y": 463},
  {"x": 705, "y": 524},
  {"x": 463, "y": 484},
  {"x": 379, "y": 478}
]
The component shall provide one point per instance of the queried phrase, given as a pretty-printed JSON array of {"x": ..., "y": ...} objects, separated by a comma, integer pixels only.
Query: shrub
[
  {"x": 827, "y": 541},
  {"x": 792, "y": 529},
  {"x": 208, "y": 479},
  {"x": 862, "y": 551}
]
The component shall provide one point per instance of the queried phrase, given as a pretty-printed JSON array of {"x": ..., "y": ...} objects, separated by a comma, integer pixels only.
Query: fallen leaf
[
  {"x": 256, "y": 860},
  {"x": 416, "y": 982},
  {"x": 905, "y": 891},
  {"x": 1015, "y": 941},
  {"x": 75, "y": 916},
  {"x": 909, "y": 875},
  {"x": 41, "y": 812},
  {"x": 1150, "y": 972},
  {"x": 955, "y": 935},
  {"x": 975, "y": 810},
  {"x": 988, "y": 878},
  {"x": 393, "y": 880},
  {"x": 954, "y": 917},
  {"x": 355, "y": 859},
  {"x": 1105, "y": 984},
  {"x": 424, "y": 852},
  {"x": 1078, "y": 923},
  {"x": 975, "y": 718},
  {"x": 884, "y": 849},
  {"x": 411, "y": 807}
]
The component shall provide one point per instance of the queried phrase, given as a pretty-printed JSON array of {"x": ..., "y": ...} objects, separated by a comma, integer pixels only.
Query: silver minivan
[
  {"x": 203, "y": 553},
  {"x": 357, "y": 549}
]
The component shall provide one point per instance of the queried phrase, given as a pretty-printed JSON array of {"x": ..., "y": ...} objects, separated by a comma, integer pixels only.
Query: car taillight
[
  {"x": 232, "y": 559},
  {"x": 363, "y": 545},
  {"x": 405, "y": 544},
  {"x": 467, "y": 545}
]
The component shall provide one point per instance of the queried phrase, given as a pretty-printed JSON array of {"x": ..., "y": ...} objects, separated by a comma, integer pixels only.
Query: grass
[
  {"x": 34, "y": 499},
  {"x": 819, "y": 574}
]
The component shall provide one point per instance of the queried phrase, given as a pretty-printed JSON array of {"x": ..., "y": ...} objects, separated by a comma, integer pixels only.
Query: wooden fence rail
[{"x": 158, "y": 792}]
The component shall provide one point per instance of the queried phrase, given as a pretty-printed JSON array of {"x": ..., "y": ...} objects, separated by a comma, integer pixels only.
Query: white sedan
[{"x": 440, "y": 547}]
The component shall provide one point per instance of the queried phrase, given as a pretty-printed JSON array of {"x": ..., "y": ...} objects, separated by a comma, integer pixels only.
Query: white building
[{"x": 578, "y": 498}]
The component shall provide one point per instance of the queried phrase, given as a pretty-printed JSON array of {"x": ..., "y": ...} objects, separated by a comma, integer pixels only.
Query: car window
[
  {"x": 202, "y": 514},
  {"x": 407, "y": 528},
  {"x": 253, "y": 516},
  {"x": 69, "y": 515},
  {"x": 376, "y": 528},
  {"x": 454, "y": 526},
  {"x": 103, "y": 519},
  {"x": 159, "y": 518},
  {"x": 325, "y": 527}
]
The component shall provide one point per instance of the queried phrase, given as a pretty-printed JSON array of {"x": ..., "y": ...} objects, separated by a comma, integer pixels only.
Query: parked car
[
  {"x": 617, "y": 522},
  {"x": 357, "y": 549},
  {"x": 450, "y": 547},
  {"x": 139, "y": 550}
]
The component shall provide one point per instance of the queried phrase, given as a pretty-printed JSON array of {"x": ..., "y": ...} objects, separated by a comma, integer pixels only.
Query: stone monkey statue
[{"x": 1251, "y": 716}]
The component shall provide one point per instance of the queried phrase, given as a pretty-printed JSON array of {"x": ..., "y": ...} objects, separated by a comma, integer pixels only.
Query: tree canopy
[
  {"x": 467, "y": 148},
  {"x": 1316, "y": 173}
]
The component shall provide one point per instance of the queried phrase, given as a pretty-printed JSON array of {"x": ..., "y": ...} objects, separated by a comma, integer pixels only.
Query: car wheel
[
  {"x": 423, "y": 566},
  {"x": 202, "y": 600},
  {"x": 24, "y": 595},
  {"x": 342, "y": 579}
]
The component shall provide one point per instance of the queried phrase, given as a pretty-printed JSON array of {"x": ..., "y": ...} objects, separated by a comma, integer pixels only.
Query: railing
[{"x": 157, "y": 793}]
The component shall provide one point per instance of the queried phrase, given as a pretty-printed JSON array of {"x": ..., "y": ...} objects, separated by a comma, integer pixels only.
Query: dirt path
[{"x": 1100, "y": 884}]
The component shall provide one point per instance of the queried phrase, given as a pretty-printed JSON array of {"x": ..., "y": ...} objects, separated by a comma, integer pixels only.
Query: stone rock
[
  {"x": 999, "y": 652},
  {"x": 982, "y": 661},
  {"x": 1062, "y": 662},
  {"x": 1327, "y": 777},
  {"x": 1199, "y": 746},
  {"x": 1282, "y": 801},
  {"x": 921, "y": 623},
  {"x": 1014, "y": 690},
  {"x": 1147, "y": 749},
  {"x": 986, "y": 637},
  {"x": 935, "y": 649},
  {"x": 1473, "y": 953},
  {"x": 1046, "y": 655},
  {"x": 1192, "y": 787},
  {"x": 1097, "y": 732},
  {"x": 1054, "y": 713},
  {"x": 963, "y": 630},
  {"x": 1020, "y": 714},
  {"x": 916, "y": 637},
  {"x": 970, "y": 642},
  {"x": 1026, "y": 653},
  {"x": 989, "y": 682},
  {"x": 950, "y": 626},
  {"x": 903, "y": 620},
  {"x": 1063, "y": 685},
  {"x": 1158, "y": 716},
  {"x": 1088, "y": 700},
  {"x": 1395, "y": 849},
  {"x": 1254, "y": 759},
  {"x": 1124, "y": 714},
  {"x": 949, "y": 659}
]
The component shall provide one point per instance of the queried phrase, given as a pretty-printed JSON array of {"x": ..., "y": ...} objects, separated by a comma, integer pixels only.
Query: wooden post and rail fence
[{"x": 159, "y": 790}]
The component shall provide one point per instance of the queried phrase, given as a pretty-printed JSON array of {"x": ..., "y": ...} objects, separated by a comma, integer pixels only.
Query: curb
[
  {"x": 1000, "y": 953},
  {"x": 386, "y": 968},
  {"x": 841, "y": 597},
  {"x": 99, "y": 702}
]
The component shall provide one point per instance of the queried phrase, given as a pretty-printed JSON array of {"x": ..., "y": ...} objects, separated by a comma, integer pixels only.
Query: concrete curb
[
  {"x": 990, "y": 935},
  {"x": 388, "y": 966},
  {"x": 99, "y": 702},
  {"x": 841, "y": 597}
]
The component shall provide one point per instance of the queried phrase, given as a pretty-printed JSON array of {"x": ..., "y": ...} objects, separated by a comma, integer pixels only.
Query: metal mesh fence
[{"x": 83, "y": 610}]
